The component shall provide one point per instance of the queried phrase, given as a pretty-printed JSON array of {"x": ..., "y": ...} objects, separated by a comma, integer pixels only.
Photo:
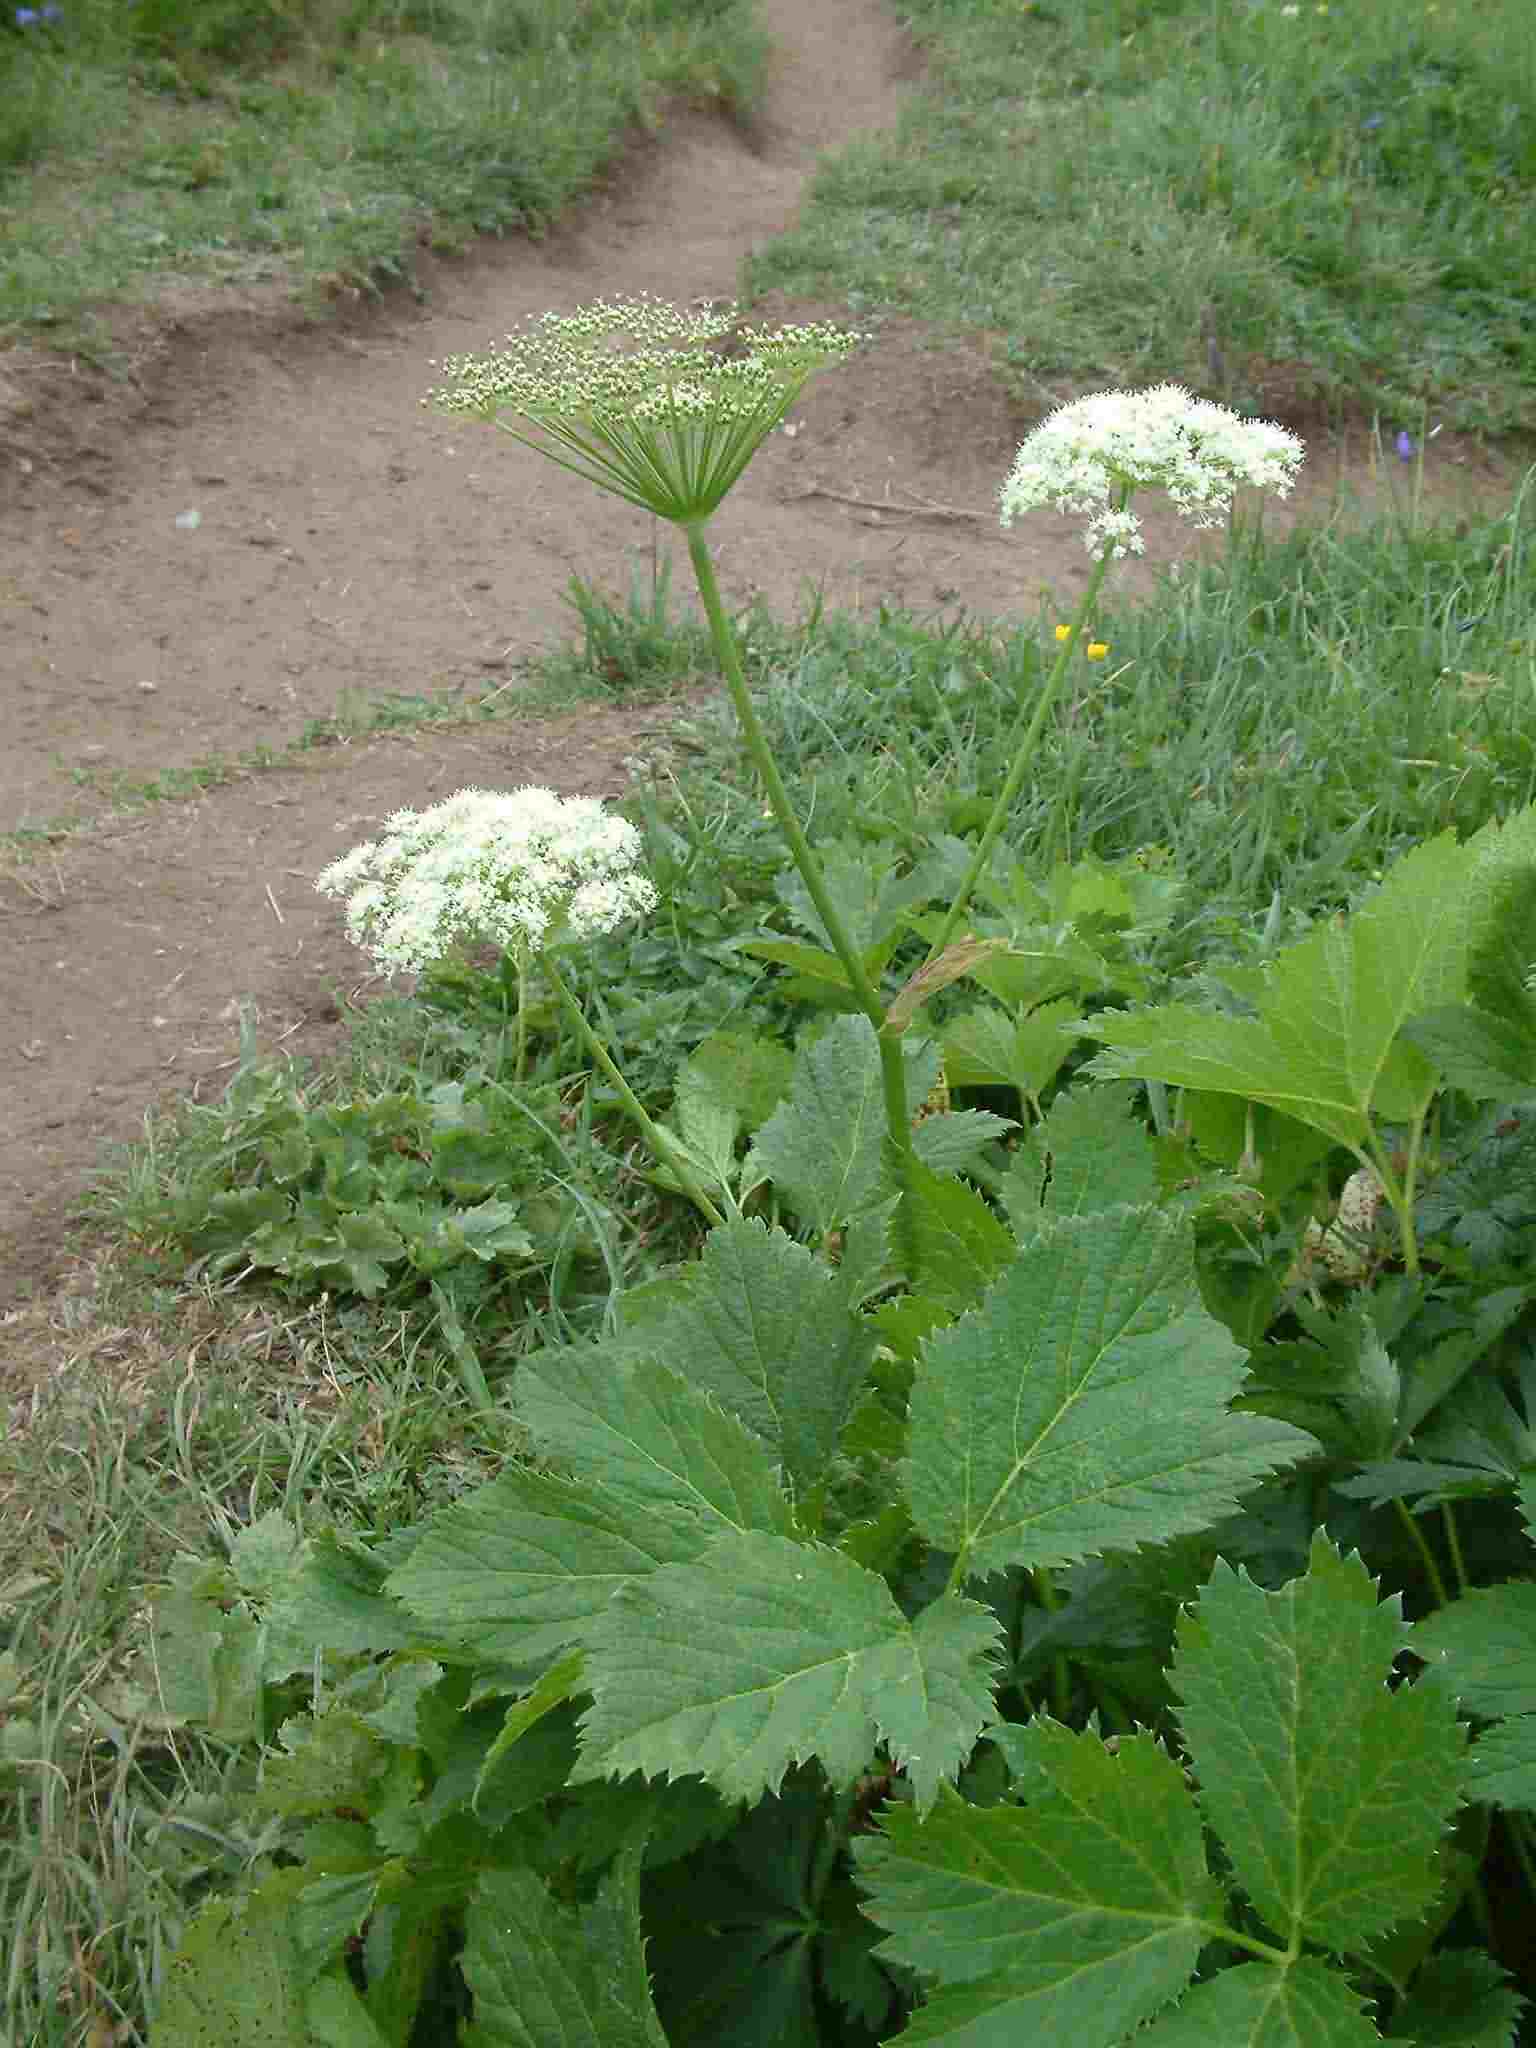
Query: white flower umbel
[
  {"x": 1093, "y": 455},
  {"x": 664, "y": 407},
  {"x": 516, "y": 869}
]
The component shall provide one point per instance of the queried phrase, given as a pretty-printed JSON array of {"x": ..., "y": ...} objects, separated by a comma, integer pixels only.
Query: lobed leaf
[
  {"x": 767, "y": 1330},
  {"x": 825, "y": 1148},
  {"x": 1084, "y": 1406},
  {"x": 1330, "y": 1793},
  {"x": 1259, "y": 2005},
  {"x": 648, "y": 1436},
  {"x": 1326, "y": 1045},
  {"x": 518, "y": 1571},
  {"x": 1073, "y": 1918},
  {"x": 764, "y": 1653},
  {"x": 548, "y": 1976}
]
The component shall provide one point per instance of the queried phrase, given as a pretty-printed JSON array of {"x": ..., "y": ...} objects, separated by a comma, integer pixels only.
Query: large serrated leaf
[
  {"x": 1501, "y": 1771},
  {"x": 956, "y": 1244},
  {"x": 1072, "y": 1918},
  {"x": 1084, "y": 1406},
  {"x": 1263, "y": 2006},
  {"x": 767, "y": 1329},
  {"x": 518, "y": 1570},
  {"x": 236, "y": 1975},
  {"x": 1487, "y": 1641},
  {"x": 1326, "y": 1045},
  {"x": 1330, "y": 1793},
  {"x": 825, "y": 1148},
  {"x": 1460, "y": 1999},
  {"x": 766, "y": 1653},
  {"x": 1091, "y": 1153},
  {"x": 649, "y": 1436},
  {"x": 544, "y": 1975}
]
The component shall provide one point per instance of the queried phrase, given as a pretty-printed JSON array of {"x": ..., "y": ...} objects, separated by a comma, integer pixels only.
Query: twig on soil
[
  {"x": 922, "y": 508},
  {"x": 273, "y": 901}
]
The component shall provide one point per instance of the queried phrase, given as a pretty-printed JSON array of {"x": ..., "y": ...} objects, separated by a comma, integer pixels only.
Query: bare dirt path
[{"x": 347, "y": 542}]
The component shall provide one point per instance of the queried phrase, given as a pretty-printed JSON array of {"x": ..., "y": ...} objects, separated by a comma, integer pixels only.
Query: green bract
[{"x": 662, "y": 406}]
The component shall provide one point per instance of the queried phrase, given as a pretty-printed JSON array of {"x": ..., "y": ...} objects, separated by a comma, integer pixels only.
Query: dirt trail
[{"x": 346, "y": 542}]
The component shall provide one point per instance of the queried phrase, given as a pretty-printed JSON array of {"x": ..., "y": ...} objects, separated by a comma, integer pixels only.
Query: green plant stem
[
  {"x": 1453, "y": 1544},
  {"x": 1220, "y": 1932},
  {"x": 893, "y": 1072},
  {"x": 1023, "y": 755},
  {"x": 520, "y": 1061},
  {"x": 1421, "y": 1543},
  {"x": 1061, "y": 1670},
  {"x": 655, "y": 1137}
]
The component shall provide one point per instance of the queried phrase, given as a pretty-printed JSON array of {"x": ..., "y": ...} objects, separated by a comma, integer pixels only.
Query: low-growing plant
[
  {"x": 967, "y": 1598},
  {"x": 992, "y": 1642}
]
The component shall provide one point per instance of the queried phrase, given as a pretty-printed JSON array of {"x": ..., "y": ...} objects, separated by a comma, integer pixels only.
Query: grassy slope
[
  {"x": 314, "y": 141},
  {"x": 1279, "y": 205}
]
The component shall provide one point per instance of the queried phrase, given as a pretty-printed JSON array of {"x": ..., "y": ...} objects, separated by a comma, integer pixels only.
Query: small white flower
[
  {"x": 1093, "y": 455},
  {"x": 517, "y": 869}
]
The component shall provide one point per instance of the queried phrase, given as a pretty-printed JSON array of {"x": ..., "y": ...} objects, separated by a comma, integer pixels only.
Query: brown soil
[{"x": 350, "y": 543}]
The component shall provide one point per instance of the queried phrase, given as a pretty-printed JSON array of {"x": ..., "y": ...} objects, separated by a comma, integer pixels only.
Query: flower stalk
[
  {"x": 893, "y": 1074},
  {"x": 654, "y": 1135}
]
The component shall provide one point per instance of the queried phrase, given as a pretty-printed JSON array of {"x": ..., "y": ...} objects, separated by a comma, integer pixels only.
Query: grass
[
  {"x": 1312, "y": 211},
  {"x": 319, "y": 142}
]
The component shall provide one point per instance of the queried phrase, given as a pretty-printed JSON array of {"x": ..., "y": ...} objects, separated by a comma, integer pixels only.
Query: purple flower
[
  {"x": 30, "y": 17},
  {"x": 1405, "y": 447},
  {"x": 1372, "y": 122}
]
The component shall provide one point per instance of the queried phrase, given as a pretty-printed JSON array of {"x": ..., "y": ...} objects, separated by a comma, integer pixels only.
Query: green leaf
[
  {"x": 958, "y": 1246},
  {"x": 733, "y": 1071},
  {"x": 766, "y": 1653},
  {"x": 1324, "y": 1046},
  {"x": 557, "y": 1685},
  {"x": 1501, "y": 1770},
  {"x": 1487, "y": 1642},
  {"x": 956, "y": 1140},
  {"x": 1091, "y": 1153},
  {"x": 1330, "y": 1793},
  {"x": 1072, "y": 1918},
  {"x": 1084, "y": 1406},
  {"x": 518, "y": 1570},
  {"x": 546, "y": 1976},
  {"x": 1261, "y": 2006},
  {"x": 735, "y": 1928},
  {"x": 992, "y": 1048},
  {"x": 334, "y": 1597},
  {"x": 209, "y": 1655},
  {"x": 765, "y": 1327},
  {"x": 1460, "y": 1999},
  {"x": 1489, "y": 1058},
  {"x": 337, "y": 2016},
  {"x": 651, "y": 1437},
  {"x": 236, "y": 1975},
  {"x": 825, "y": 1148}
]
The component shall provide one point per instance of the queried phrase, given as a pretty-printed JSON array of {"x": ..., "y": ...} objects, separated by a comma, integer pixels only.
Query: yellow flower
[
  {"x": 1063, "y": 632},
  {"x": 1097, "y": 649}
]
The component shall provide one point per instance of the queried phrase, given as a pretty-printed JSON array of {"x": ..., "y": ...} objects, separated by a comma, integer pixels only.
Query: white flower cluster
[
  {"x": 626, "y": 356},
  {"x": 518, "y": 869},
  {"x": 661, "y": 405},
  {"x": 1092, "y": 455}
]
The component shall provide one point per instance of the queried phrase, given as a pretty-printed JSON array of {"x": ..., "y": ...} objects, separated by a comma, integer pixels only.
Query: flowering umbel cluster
[
  {"x": 1093, "y": 455},
  {"x": 661, "y": 405},
  {"x": 518, "y": 869}
]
